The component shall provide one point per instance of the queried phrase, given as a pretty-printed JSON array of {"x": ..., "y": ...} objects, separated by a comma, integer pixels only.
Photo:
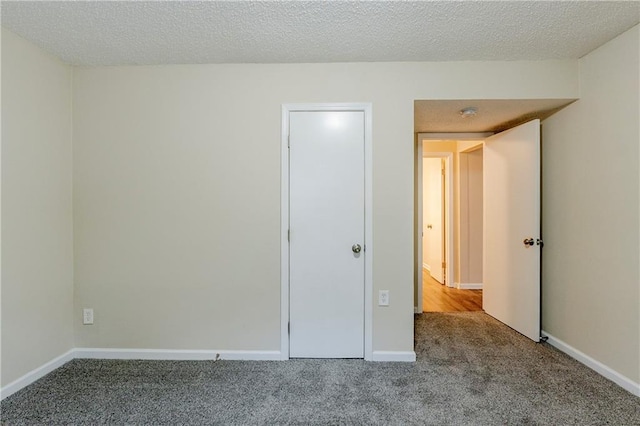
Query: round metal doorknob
[
  {"x": 356, "y": 248},
  {"x": 528, "y": 242}
]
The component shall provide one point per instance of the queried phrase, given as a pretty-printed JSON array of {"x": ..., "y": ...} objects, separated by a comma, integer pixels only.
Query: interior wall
[
  {"x": 471, "y": 223},
  {"x": 177, "y": 191},
  {"x": 37, "y": 249},
  {"x": 590, "y": 211}
]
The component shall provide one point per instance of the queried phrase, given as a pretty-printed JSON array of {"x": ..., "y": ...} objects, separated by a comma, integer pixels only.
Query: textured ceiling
[
  {"x": 492, "y": 115},
  {"x": 181, "y": 32}
]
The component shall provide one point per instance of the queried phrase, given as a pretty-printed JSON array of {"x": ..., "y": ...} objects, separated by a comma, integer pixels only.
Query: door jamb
[
  {"x": 417, "y": 268},
  {"x": 368, "y": 216}
]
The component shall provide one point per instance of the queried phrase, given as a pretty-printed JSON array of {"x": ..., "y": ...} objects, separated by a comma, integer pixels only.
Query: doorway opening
[
  {"x": 440, "y": 298},
  {"x": 511, "y": 232},
  {"x": 450, "y": 190}
]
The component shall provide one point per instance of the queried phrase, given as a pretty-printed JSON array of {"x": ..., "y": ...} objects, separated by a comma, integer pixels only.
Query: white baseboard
[
  {"x": 623, "y": 381},
  {"x": 427, "y": 267},
  {"x": 394, "y": 356},
  {"x": 35, "y": 374},
  {"x": 176, "y": 355},
  {"x": 470, "y": 286}
]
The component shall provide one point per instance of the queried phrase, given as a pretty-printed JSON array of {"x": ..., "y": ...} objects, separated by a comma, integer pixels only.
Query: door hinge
[
  {"x": 444, "y": 265},
  {"x": 289, "y": 235},
  {"x": 289, "y": 328},
  {"x": 288, "y": 141}
]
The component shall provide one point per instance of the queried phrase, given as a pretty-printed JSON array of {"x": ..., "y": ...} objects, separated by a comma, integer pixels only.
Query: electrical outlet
[
  {"x": 383, "y": 298},
  {"x": 87, "y": 316}
]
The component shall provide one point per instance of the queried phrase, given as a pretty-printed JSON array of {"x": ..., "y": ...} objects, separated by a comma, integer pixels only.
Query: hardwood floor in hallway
[{"x": 437, "y": 297}]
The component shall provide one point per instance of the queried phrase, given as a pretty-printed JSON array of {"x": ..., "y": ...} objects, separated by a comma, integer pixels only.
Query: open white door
[{"x": 511, "y": 267}]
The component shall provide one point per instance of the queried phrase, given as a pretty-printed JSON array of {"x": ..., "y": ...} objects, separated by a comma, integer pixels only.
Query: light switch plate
[
  {"x": 87, "y": 316},
  {"x": 383, "y": 298}
]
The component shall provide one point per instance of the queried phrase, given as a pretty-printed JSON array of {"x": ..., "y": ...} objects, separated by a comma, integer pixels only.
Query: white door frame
[
  {"x": 448, "y": 218},
  {"x": 448, "y": 157},
  {"x": 419, "y": 154},
  {"x": 418, "y": 223},
  {"x": 368, "y": 216}
]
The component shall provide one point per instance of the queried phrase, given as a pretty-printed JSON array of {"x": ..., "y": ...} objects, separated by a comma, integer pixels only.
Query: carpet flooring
[{"x": 470, "y": 370}]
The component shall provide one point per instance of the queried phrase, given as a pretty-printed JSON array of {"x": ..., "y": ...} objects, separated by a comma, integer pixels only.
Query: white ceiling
[{"x": 193, "y": 32}]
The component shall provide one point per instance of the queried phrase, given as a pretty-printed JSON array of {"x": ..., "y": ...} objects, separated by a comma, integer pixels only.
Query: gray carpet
[{"x": 471, "y": 370}]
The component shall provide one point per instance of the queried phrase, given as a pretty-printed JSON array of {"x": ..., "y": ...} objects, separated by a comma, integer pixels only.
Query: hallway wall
[{"x": 471, "y": 217}]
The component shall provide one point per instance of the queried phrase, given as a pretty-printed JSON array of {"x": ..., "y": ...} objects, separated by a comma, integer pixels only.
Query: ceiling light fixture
[{"x": 468, "y": 112}]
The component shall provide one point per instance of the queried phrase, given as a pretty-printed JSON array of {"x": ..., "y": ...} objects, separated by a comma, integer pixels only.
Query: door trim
[
  {"x": 448, "y": 240},
  {"x": 420, "y": 138},
  {"x": 368, "y": 216},
  {"x": 448, "y": 216}
]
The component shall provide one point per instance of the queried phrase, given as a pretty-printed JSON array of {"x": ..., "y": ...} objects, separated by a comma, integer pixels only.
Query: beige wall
[
  {"x": 37, "y": 251},
  {"x": 591, "y": 297},
  {"x": 471, "y": 223},
  {"x": 177, "y": 190}
]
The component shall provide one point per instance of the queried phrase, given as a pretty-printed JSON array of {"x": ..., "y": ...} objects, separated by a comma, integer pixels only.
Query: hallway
[{"x": 440, "y": 298}]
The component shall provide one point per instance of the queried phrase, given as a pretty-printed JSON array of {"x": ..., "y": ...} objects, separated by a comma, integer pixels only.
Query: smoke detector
[{"x": 468, "y": 112}]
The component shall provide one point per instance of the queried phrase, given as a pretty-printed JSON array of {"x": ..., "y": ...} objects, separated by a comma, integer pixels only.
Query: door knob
[
  {"x": 356, "y": 248},
  {"x": 528, "y": 242}
]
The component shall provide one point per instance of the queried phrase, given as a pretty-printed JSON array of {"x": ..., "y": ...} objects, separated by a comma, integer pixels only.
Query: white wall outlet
[
  {"x": 383, "y": 298},
  {"x": 87, "y": 316}
]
